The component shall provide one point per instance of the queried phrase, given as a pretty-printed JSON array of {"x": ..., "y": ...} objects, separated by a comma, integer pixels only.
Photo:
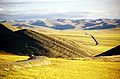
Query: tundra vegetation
[{"x": 70, "y": 54}]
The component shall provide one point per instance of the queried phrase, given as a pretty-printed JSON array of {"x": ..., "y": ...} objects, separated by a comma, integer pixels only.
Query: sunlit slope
[
  {"x": 107, "y": 39},
  {"x": 8, "y": 57},
  {"x": 67, "y": 69}
]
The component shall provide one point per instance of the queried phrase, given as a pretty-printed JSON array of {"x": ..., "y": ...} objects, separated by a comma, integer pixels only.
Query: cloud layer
[{"x": 59, "y": 9}]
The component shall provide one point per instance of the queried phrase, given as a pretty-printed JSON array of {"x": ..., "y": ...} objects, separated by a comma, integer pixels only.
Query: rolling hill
[{"x": 25, "y": 41}]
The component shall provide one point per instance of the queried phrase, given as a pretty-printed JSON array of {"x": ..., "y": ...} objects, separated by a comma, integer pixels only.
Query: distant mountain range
[{"x": 64, "y": 24}]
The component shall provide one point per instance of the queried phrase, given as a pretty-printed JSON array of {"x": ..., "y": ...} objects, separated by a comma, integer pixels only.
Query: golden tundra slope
[
  {"x": 107, "y": 39},
  {"x": 72, "y": 69},
  {"x": 65, "y": 69}
]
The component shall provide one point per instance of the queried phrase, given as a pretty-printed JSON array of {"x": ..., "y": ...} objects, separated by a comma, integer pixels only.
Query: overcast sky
[{"x": 28, "y": 9}]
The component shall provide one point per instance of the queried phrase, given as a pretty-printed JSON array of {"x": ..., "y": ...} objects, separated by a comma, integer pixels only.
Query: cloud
[
  {"x": 59, "y": 8},
  {"x": 1, "y": 9},
  {"x": 32, "y": 1},
  {"x": 60, "y": 15}
]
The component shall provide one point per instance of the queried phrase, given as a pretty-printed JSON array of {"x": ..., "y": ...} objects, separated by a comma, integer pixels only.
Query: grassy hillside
[
  {"x": 8, "y": 57},
  {"x": 66, "y": 69},
  {"x": 56, "y": 48},
  {"x": 24, "y": 42},
  {"x": 107, "y": 39}
]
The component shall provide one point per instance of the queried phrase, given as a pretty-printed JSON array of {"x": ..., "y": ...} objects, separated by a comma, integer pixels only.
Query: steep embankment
[{"x": 24, "y": 42}]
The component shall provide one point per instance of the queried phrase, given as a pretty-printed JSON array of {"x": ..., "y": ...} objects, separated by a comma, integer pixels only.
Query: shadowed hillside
[
  {"x": 113, "y": 51},
  {"x": 24, "y": 42}
]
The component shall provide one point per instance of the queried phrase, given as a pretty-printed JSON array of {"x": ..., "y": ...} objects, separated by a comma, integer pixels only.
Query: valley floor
[{"x": 66, "y": 69}]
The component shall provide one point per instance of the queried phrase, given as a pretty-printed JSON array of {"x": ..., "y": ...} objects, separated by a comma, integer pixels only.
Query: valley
[{"x": 73, "y": 52}]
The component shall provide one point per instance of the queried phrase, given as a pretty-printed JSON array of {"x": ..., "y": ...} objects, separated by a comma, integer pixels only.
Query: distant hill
[
  {"x": 98, "y": 27},
  {"x": 25, "y": 42},
  {"x": 20, "y": 25},
  {"x": 63, "y": 27},
  {"x": 117, "y": 21},
  {"x": 113, "y": 51},
  {"x": 97, "y": 24},
  {"x": 38, "y": 23},
  {"x": 66, "y": 24}
]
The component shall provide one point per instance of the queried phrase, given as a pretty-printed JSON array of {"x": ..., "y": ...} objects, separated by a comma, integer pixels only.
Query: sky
[{"x": 35, "y": 9}]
